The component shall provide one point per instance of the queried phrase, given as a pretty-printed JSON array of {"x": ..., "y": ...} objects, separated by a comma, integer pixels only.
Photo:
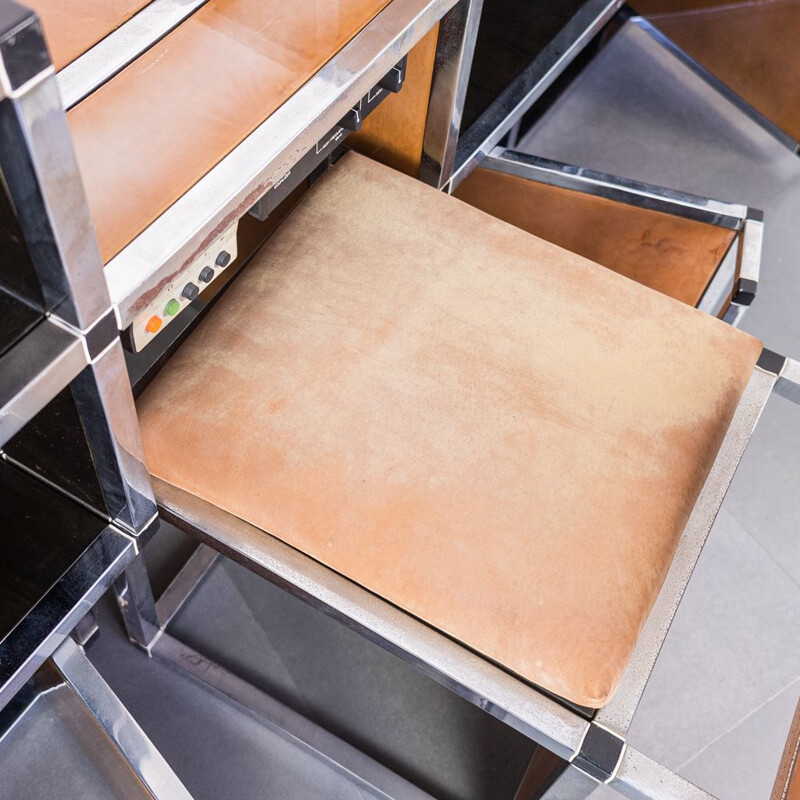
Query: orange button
[{"x": 153, "y": 325}]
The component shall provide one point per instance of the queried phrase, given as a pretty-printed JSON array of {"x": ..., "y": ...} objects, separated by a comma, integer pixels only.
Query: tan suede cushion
[{"x": 494, "y": 434}]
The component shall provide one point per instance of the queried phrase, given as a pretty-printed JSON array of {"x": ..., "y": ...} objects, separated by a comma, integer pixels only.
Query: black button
[
  {"x": 393, "y": 80},
  {"x": 351, "y": 121},
  {"x": 190, "y": 291},
  {"x": 207, "y": 275},
  {"x": 223, "y": 259}
]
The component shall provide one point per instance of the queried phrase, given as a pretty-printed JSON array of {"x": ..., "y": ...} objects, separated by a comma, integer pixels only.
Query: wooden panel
[
  {"x": 154, "y": 130},
  {"x": 669, "y": 254},
  {"x": 73, "y": 26},
  {"x": 787, "y": 781},
  {"x": 752, "y": 48},
  {"x": 394, "y": 132},
  {"x": 493, "y": 433}
]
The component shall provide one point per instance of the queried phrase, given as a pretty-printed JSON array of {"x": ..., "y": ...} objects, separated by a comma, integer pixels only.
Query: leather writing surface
[
  {"x": 498, "y": 436},
  {"x": 673, "y": 255},
  {"x": 73, "y": 26},
  {"x": 154, "y": 130}
]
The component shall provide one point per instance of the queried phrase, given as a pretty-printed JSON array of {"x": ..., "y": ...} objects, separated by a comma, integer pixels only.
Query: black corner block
[
  {"x": 600, "y": 753},
  {"x": 745, "y": 291}
]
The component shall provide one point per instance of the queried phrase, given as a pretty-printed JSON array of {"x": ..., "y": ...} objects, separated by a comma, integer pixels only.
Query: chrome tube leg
[
  {"x": 458, "y": 32},
  {"x": 137, "y": 604},
  {"x": 124, "y": 732},
  {"x": 105, "y": 403}
]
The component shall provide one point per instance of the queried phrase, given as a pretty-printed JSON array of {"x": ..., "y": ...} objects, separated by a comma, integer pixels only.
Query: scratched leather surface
[
  {"x": 671, "y": 254},
  {"x": 751, "y": 47},
  {"x": 493, "y": 433},
  {"x": 73, "y": 26},
  {"x": 154, "y": 130}
]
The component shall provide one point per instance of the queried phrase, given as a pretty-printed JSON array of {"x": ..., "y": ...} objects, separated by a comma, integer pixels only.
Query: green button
[{"x": 172, "y": 308}]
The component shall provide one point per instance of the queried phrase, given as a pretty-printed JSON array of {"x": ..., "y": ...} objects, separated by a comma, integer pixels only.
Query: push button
[
  {"x": 393, "y": 80},
  {"x": 190, "y": 291},
  {"x": 153, "y": 325},
  {"x": 223, "y": 259},
  {"x": 352, "y": 120},
  {"x": 206, "y": 275},
  {"x": 172, "y": 308}
]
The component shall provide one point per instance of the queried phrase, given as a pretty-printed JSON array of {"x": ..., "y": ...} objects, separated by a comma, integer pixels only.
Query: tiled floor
[{"x": 722, "y": 695}]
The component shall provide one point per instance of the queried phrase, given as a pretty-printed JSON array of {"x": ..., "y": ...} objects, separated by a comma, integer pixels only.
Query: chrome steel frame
[
  {"x": 507, "y": 109},
  {"x": 592, "y": 746},
  {"x": 719, "y": 86},
  {"x": 121, "y": 47},
  {"x": 79, "y": 342},
  {"x": 736, "y": 278},
  {"x": 121, "y": 729},
  {"x": 455, "y": 47},
  {"x": 230, "y": 189}
]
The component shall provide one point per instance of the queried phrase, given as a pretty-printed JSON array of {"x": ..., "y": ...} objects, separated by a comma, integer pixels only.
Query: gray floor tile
[
  {"x": 742, "y": 764},
  {"x": 732, "y": 647},
  {"x": 765, "y": 493}
]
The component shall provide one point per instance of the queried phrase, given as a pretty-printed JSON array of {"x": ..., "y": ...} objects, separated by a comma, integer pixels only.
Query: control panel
[{"x": 184, "y": 289}]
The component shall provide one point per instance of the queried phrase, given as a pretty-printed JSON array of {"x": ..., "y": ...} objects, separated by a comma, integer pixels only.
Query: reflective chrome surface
[
  {"x": 458, "y": 31},
  {"x": 42, "y": 178},
  {"x": 501, "y": 116},
  {"x": 184, "y": 583},
  {"x": 788, "y": 384},
  {"x": 613, "y": 187},
  {"x": 105, "y": 402},
  {"x": 148, "y": 764}
]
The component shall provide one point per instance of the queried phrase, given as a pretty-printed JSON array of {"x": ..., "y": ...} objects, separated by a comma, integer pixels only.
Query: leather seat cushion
[{"x": 495, "y": 434}]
